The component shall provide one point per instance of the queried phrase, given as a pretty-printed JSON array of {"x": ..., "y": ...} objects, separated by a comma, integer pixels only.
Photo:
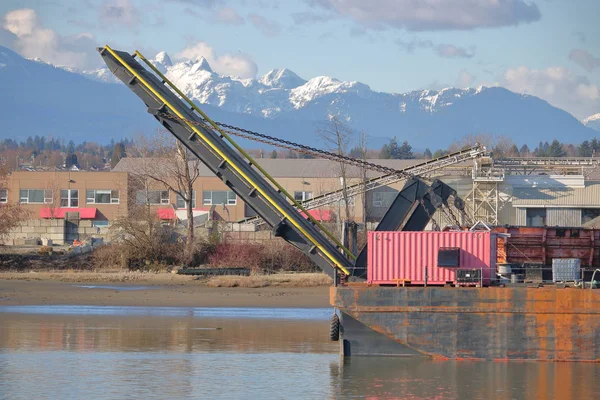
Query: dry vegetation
[{"x": 257, "y": 281}]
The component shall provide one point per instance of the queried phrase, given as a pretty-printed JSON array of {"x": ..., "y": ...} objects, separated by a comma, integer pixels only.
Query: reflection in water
[
  {"x": 418, "y": 378},
  {"x": 225, "y": 353}
]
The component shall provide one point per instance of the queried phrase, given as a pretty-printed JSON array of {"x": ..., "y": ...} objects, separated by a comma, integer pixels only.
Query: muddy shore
[{"x": 158, "y": 290}]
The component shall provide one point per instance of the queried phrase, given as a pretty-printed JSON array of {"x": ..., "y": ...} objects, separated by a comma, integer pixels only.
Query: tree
[
  {"x": 585, "y": 149},
  {"x": 176, "y": 169},
  {"x": 439, "y": 153},
  {"x": 595, "y": 145},
  {"x": 71, "y": 160},
  {"x": 388, "y": 150},
  {"x": 427, "y": 154},
  {"x": 524, "y": 151},
  {"x": 513, "y": 151},
  {"x": 11, "y": 214},
  {"x": 556, "y": 149},
  {"x": 274, "y": 154},
  {"x": 117, "y": 154},
  {"x": 405, "y": 152},
  {"x": 336, "y": 136}
]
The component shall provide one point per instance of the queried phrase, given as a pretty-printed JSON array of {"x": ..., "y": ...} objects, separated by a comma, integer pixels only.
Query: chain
[
  {"x": 286, "y": 144},
  {"x": 300, "y": 148},
  {"x": 435, "y": 225}
]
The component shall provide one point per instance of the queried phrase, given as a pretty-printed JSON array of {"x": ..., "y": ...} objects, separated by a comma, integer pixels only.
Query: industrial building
[{"x": 524, "y": 192}]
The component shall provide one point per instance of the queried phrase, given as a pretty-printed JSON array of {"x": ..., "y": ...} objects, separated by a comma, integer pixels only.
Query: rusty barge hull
[{"x": 496, "y": 323}]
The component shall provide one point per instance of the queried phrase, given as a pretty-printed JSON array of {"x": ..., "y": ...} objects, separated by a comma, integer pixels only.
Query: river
[{"x": 75, "y": 352}]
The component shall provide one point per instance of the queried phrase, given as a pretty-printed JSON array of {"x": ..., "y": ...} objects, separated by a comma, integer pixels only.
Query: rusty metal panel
[
  {"x": 563, "y": 217},
  {"x": 541, "y": 245},
  {"x": 512, "y": 323},
  {"x": 402, "y": 256}
]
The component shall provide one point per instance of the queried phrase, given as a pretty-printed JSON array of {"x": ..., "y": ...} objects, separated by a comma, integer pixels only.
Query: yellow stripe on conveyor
[
  {"x": 232, "y": 165},
  {"x": 245, "y": 154}
]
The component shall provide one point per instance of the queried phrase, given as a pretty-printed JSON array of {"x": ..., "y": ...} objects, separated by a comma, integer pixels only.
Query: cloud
[
  {"x": 227, "y": 64},
  {"x": 452, "y": 51},
  {"x": 22, "y": 29},
  {"x": 584, "y": 59},
  {"x": 465, "y": 79},
  {"x": 443, "y": 50},
  {"x": 430, "y": 15},
  {"x": 557, "y": 85},
  {"x": 229, "y": 16},
  {"x": 307, "y": 18},
  {"x": 121, "y": 12},
  {"x": 267, "y": 27}
]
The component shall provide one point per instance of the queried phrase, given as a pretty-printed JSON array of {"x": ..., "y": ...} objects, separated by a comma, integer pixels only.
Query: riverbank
[{"x": 167, "y": 290}]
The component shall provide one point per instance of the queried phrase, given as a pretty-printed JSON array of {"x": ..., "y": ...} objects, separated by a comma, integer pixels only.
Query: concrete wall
[{"x": 45, "y": 228}]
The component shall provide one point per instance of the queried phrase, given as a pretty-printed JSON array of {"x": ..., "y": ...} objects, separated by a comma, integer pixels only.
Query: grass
[{"x": 258, "y": 281}]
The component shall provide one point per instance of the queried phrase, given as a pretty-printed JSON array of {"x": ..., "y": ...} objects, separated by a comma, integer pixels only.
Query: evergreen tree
[
  {"x": 427, "y": 154},
  {"x": 405, "y": 152},
  {"x": 524, "y": 151},
  {"x": 513, "y": 151},
  {"x": 389, "y": 150},
  {"x": 274, "y": 154},
  {"x": 556, "y": 149},
  {"x": 71, "y": 160},
  {"x": 117, "y": 154},
  {"x": 585, "y": 149},
  {"x": 595, "y": 146}
]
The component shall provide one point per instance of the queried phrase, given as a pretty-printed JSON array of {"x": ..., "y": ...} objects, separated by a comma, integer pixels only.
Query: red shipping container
[{"x": 395, "y": 257}]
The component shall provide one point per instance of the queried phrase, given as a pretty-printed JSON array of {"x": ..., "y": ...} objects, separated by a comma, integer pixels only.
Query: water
[{"x": 74, "y": 352}]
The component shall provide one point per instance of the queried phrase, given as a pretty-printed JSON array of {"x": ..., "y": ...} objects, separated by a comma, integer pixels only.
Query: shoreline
[{"x": 154, "y": 290}]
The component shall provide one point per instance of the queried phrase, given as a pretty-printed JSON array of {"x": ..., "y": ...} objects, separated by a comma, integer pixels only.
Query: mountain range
[{"x": 42, "y": 99}]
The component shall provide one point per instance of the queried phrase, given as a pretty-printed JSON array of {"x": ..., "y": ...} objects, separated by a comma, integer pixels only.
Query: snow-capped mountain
[
  {"x": 593, "y": 122},
  {"x": 83, "y": 105}
]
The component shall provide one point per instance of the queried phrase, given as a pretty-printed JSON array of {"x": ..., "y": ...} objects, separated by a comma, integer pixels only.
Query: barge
[{"x": 485, "y": 318}]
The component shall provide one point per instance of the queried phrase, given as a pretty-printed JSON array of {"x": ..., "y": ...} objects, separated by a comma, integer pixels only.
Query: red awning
[
  {"x": 320, "y": 215},
  {"x": 84, "y": 213},
  {"x": 165, "y": 213}
]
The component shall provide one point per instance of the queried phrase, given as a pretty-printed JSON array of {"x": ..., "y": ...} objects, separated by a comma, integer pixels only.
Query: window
[
  {"x": 102, "y": 196},
  {"x": 302, "y": 196},
  {"x": 587, "y": 214},
  {"x": 383, "y": 199},
  {"x": 182, "y": 204},
  {"x": 35, "y": 196},
  {"x": 210, "y": 197},
  {"x": 3, "y": 196},
  {"x": 536, "y": 217},
  {"x": 69, "y": 198},
  {"x": 100, "y": 223},
  {"x": 152, "y": 197}
]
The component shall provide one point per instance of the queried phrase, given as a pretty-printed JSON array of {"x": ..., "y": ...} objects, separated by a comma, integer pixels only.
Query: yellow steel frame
[{"x": 329, "y": 256}]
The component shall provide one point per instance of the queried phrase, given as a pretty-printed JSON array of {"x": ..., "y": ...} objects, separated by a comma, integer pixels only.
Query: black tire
[{"x": 334, "y": 328}]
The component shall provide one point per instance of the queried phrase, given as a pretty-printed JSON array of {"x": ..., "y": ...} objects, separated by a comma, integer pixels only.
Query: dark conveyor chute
[{"x": 213, "y": 146}]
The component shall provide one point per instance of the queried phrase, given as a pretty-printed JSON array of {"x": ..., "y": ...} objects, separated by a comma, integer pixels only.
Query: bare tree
[
  {"x": 362, "y": 144},
  {"x": 11, "y": 214},
  {"x": 171, "y": 166},
  {"x": 337, "y": 137}
]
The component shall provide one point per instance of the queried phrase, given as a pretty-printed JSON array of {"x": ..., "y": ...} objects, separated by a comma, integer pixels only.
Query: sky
[{"x": 546, "y": 48}]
